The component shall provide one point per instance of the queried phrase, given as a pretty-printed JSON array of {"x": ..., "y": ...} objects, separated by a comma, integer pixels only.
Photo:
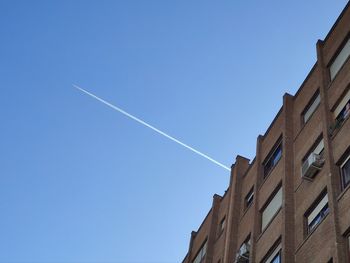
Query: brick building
[{"x": 292, "y": 202}]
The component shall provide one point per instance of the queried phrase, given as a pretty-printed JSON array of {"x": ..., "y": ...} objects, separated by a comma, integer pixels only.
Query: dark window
[
  {"x": 273, "y": 159},
  {"x": 317, "y": 213},
  {"x": 249, "y": 198},
  {"x": 345, "y": 172}
]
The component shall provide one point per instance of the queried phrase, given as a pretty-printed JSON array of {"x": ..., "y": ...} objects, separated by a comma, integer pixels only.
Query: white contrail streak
[{"x": 151, "y": 127}]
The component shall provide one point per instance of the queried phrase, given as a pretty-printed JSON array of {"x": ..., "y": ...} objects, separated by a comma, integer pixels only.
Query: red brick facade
[{"x": 297, "y": 229}]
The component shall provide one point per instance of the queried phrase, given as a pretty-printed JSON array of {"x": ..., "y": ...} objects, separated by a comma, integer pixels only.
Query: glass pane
[{"x": 277, "y": 259}]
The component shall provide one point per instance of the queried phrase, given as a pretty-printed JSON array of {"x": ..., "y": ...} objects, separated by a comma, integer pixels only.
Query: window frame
[
  {"x": 200, "y": 252},
  {"x": 274, "y": 252},
  {"x": 249, "y": 196},
  {"x": 343, "y": 163},
  {"x": 341, "y": 47},
  {"x": 222, "y": 225},
  {"x": 316, "y": 95},
  {"x": 267, "y": 203},
  {"x": 320, "y": 216},
  {"x": 270, "y": 157}
]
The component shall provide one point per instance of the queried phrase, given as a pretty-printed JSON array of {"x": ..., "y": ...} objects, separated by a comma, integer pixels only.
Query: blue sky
[{"x": 83, "y": 183}]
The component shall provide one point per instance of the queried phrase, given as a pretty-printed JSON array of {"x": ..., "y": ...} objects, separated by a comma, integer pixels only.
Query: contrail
[{"x": 152, "y": 127}]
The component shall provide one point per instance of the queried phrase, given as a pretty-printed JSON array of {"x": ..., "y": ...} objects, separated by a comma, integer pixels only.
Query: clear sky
[{"x": 83, "y": 183}]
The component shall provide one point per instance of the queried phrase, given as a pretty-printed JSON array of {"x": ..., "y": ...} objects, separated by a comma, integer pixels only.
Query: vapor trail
[{"x": 151, "y": 127}]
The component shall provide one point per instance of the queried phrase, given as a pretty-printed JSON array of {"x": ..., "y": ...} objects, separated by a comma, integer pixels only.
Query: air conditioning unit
[
  {"x": 312, "y": 165},
  {"x": 243, "y": 254}
]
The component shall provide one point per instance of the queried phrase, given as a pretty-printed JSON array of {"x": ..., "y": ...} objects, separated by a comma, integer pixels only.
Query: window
[
  {"x": 273, "y": 158},
  {"x": 222, "y": 225},
  {"x": 275, "y": 256},
  {"x": 271, "y": 208},
  {"x": 317, "y": 213},
  {"x": 248, "y": 200},
  {"x": 340, "y": 59},
  {"x": 242, "y": 255},
  {"x": 342, "y": 111},
  {"x": 345, "y": 172},
  {"x": 310, "y": 109},
  {"x": 201, "y": 253}
]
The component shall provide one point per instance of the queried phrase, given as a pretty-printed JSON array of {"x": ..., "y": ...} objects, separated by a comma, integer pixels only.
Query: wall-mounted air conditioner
[
  {"x": 243, "y": 254},
  {"x": 312, "y": 165}
]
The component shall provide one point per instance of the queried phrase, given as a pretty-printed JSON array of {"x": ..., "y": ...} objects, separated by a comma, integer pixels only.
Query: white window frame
[
  {"x": 340, "y": 60},
  {"x": 271, "y": 208}
]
